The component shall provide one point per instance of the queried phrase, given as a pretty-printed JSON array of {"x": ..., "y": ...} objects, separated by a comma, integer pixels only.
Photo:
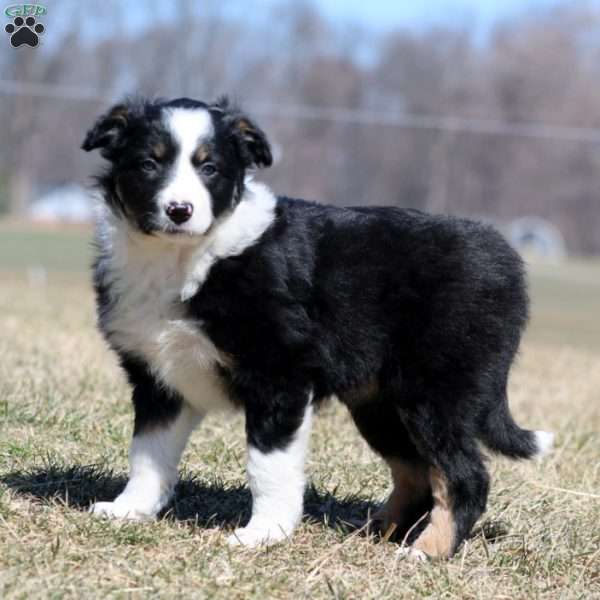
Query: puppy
[{"x": 217, "y": 294}]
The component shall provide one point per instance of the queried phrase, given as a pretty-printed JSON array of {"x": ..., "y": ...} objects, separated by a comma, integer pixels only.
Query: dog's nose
[{"x": 179, "y": 212}]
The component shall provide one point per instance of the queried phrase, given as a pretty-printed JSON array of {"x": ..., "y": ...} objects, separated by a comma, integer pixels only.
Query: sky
[
  {"x": 375, "y": 15},
  {"x": 387, "y": 14},
  {"x": 378, "y": 14}
]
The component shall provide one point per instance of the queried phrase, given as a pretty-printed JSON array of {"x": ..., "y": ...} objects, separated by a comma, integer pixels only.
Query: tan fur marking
[
  {"x": 119, "y": 113},
  {"x": 360, "y": 394},
  {"x": 247, "y": 128},
  {"x": 202, "y": 153},
  {"x": 158, "y": 150},
  {"x": 244, "y": 125},
  {"x": 411, "y": 482},
  {"x": 437, "y": 539}
]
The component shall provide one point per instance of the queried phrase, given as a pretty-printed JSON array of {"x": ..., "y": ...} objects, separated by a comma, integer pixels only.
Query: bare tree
[{"x": 540, "y": 68}]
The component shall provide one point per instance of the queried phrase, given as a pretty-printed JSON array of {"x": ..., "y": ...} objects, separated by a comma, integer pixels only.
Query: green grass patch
[
  {"x": 26, "y": 248},
  {"x": 566, "y": 303}
]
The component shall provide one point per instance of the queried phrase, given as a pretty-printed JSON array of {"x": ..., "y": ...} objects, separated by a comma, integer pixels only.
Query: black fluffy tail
[{"x": 501, "y": 434}]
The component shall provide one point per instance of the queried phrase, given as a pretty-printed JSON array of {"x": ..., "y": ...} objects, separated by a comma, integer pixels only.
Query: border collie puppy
[{"x": 217, "y": 294}]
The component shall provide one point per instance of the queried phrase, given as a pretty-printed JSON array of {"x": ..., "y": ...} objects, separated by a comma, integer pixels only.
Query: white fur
[
  {"x": 188, "y": 128},
  {"x": 411, "y": 554},
  {"x": 153, "y": 459},
  {"x": 146, "y": 275},
  {"x": 544, "y": 441},
  {"x": 236, "y": 232},
  {"x": 277, "y": 483}
]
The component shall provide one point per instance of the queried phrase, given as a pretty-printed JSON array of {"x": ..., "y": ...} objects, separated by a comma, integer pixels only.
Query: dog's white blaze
[
  {"x": 188, "y": 127},
  {"x": 153, "y": 459},
  {"x": 277, "y": 483}
]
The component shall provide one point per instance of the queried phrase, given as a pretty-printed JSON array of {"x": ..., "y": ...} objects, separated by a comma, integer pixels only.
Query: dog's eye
[
  {"x": 149, "y": 165},
  {"x": 208, "y": 169}
]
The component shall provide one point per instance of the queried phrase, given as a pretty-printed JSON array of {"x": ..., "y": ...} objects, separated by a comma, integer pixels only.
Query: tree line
[{"x": 436, "y": 119}]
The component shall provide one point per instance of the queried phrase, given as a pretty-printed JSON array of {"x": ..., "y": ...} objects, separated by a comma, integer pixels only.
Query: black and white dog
[{"x": 217, "y": 294}]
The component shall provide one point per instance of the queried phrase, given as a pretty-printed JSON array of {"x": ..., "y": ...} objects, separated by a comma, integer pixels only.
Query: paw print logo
[{"x": 24, "y": 31}]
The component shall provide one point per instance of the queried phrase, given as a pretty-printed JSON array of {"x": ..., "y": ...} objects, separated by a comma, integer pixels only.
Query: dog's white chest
[{"x": 147, "y": 319}]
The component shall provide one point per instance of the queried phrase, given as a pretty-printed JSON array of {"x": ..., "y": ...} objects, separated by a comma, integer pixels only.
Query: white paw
[
  {"x": 544, "y": 441},
  {"x": 411, "y": 554},
  {"x": 119, "y": 510},
  {"x": 253, "y": 536}
]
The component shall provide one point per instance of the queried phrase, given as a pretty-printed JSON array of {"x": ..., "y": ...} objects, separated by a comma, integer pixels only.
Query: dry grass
[{"x": 64, "y": 427}]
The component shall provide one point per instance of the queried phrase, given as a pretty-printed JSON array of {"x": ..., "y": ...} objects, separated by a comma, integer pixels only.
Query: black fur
[
  {"x": 153, "y": 403},
  {"x": 431, "y": 307},
  {"x": 426, "y": 310}
]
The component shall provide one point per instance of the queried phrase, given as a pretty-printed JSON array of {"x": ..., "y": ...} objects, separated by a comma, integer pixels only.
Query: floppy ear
[
  {"x": 255, "y": 141},
  {"x": 106, "y": 131},
  {"x": 254, "y": 147}
]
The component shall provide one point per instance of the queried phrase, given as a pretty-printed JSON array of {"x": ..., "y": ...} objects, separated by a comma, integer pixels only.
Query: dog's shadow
[{"x": 205, "y": 505}]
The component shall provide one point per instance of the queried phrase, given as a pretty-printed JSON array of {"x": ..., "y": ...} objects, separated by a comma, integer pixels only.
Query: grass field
[{"x": 65, "y": 422}]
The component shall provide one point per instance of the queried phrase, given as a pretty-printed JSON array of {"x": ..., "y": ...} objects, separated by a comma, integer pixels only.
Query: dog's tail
[{"x": 501, "y": 434}]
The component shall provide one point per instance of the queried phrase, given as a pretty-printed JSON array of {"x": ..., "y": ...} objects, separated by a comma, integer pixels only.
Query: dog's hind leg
[
  {"x": 410, "y": 499},
  {"x": 408, "y": 503},
  {"x": 459, "y": 497},
  {"x": 458, "y": 478}
]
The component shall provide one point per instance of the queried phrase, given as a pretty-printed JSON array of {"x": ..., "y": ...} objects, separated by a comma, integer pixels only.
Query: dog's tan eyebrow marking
[
  {"x": 437, "y": 539},
  {"x": 201, "y": 153},
  {"x": 158, "y": 150}
]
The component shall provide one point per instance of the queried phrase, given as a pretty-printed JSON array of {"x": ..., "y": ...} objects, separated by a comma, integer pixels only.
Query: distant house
[
  {"x": 535, "y": 237},
  {"x": 70, "y": 203}
]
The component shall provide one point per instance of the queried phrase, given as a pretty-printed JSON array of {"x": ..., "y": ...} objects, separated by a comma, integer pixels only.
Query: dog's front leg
[
  {"x": 278, "y": 433},
  {"x": 163, "y": 424}
]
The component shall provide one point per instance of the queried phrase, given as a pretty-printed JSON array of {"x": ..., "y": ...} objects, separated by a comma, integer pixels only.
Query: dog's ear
[
  {"x": 107, "y": 130},
  {"x": 252, "y": 141},
  {"x": 256, "y": 142}
]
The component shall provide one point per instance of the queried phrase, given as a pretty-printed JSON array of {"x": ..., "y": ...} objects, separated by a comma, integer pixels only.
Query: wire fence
[{"x": 449, "y": 123}]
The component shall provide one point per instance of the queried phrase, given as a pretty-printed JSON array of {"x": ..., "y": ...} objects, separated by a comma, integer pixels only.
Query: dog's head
[{"x": 176, "y": 166}]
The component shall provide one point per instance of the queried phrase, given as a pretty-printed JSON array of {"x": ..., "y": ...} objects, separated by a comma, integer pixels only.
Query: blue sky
[
  {"x": 376, "y": 15},
  {"x": 387, "y": 14}
]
